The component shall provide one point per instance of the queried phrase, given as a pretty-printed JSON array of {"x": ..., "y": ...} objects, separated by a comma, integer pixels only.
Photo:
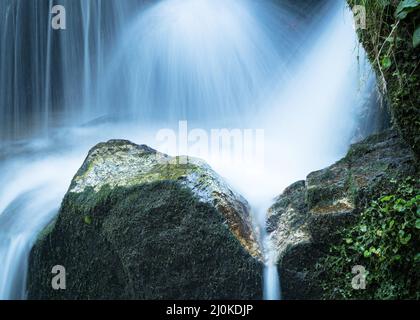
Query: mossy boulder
[
  {"x": 137, "y": 224},
  {"x": 304, "y": 220}
]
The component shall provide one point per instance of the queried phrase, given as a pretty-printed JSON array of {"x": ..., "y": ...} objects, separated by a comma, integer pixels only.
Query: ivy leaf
[
  {"x": 367, "y": 254},
  {"x": 391, "y": 223},
  {"x": 386, "y": 198},
  {"x": 406, "y": 239},
  {"x": 405, "y": 7},
  {"x": 399, "y": 208},
  {"x": 386, "y": 62},
  {"x": 416, "y": 37},
  {"x": 418, "y": 224}
]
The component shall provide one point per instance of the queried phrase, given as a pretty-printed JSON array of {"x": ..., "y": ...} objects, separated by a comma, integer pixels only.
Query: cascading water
[
  {"x": 232, "y": 63},
  {"x": 35, "y": 187}
]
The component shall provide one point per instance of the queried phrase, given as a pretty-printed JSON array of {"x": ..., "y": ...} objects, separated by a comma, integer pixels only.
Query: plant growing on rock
[
  {"x": 391, "y": 39},
  {"x": 385, "y": 240}
]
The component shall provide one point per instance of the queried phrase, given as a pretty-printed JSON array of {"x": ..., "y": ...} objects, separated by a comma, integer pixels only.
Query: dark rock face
[
  {"x": 304, "y": 219},
  {"x": 146, "y": 234}
]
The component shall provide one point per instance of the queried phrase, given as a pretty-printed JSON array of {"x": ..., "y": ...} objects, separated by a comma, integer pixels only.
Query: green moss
[
  {"x": 87, "y": 219},
  {"x": 168, "y": 171},
  {"x": 352, "y": 187},
  {"x": 357, "y": 151},
  {"x": 173, "y": 169}
]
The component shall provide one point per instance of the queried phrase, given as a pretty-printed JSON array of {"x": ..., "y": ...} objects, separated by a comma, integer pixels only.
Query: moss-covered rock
[
  {"x": 388, "y": 38},
  {"x": 137, "y": 224},
  {"x": 304, "y": 220},
  {"x": 310, "y": 217}
]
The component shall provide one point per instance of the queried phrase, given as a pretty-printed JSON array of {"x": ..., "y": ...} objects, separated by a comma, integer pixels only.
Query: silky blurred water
[{"x": 127, "y": 69}]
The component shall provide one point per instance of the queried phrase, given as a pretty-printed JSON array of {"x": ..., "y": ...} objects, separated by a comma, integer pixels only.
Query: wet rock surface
[
  {"x": 304, "y": 219},
  {"x": 138, "y": 224}
]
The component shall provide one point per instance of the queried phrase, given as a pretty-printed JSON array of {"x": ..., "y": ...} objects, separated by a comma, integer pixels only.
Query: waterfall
[
  {"x": 33, "y": 192},
  {"x": 47, "y": 76},
  {"x": 89, "y": 70},
  {"x": 126, "y": 68}
]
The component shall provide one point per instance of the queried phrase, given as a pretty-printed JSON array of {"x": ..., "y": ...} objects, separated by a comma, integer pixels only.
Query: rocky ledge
[
  {"x": 138, "y": 224},
  {"x": 303, "y": 221}
]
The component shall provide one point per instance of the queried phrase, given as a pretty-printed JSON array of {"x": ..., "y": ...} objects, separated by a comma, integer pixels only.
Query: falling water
[
  {"x": 124, "y": 69},
  {"x": 35, "y": 187}
]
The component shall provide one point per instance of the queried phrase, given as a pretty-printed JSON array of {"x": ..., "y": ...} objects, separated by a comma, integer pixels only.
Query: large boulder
[
  {"x": 303, "y": 221},
  {"x": 138, "y": 224}
]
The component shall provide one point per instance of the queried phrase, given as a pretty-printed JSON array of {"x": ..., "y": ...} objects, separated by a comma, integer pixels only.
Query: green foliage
[
  {"x": 405, "y": 7},
  {"x": 403, "y": 10},
  {"x": 391, "y": 40},
  {"x": 385, "y": 240},
  {"x": 386, "y": 62}
]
